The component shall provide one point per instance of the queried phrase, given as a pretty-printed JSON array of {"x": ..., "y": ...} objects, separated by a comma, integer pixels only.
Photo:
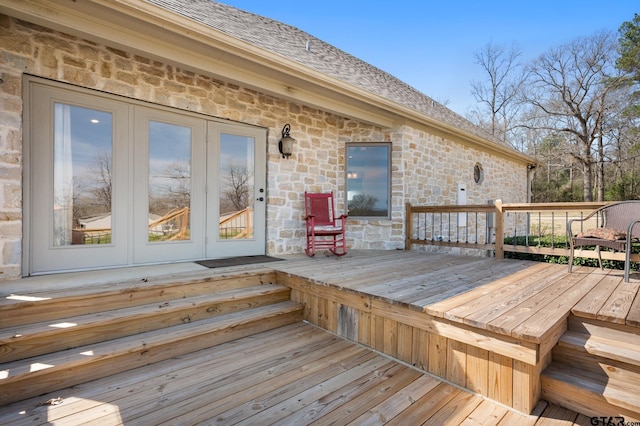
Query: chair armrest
[
  {"x": 310, "y": 222},
  {"x": 589, "y": 216},
  {"x": 570, "y": 223},
  {"x": 630, "y": 234}
]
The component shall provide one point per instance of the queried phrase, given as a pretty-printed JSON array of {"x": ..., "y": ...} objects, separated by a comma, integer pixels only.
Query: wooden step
[
  {"x": 612, "y": 331},
  {"x": 589, "y": 392},
  {"x": 611, "y": 348},
  {"x": 19, "y": 309},
  {"x": 45, "y": 373},
  {"x": 31, "y": 340},
  {"x": 596, "y": 369},
  {"x": 608, "y": 367}
]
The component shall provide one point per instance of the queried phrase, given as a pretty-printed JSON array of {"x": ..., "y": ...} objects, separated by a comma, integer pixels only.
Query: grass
[{"x": 558, "y": 241}]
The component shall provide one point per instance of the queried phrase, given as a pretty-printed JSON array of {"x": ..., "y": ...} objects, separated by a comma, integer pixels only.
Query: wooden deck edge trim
[
  {"x": 520, "y": 350},
  {"x": 525, "y": 351},
  {"x": 553, "y": 337},
  {"x": 132, "y": 286}
]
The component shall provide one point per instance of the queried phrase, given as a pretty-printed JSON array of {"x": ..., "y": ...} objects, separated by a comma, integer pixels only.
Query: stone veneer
[{"x": 425, "y": 168}]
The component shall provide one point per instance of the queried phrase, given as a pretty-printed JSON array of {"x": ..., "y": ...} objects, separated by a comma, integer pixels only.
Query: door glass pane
[
  {"x": 169, "y": 182},
  {"x": 236, "y": 186},
  {"x": 82, "y": 176}
]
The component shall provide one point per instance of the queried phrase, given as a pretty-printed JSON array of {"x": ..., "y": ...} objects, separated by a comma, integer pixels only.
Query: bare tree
[
  {"x": 103, "y": 180},
  {"x": 179, "y": 191},
  {"x": 498, "y": 96},
  {"x": 236, "y": 194},
  {"x": 170, "y": 188},
  {"x": 573, "y": 86},
  {"x": 362, "y": 205}
]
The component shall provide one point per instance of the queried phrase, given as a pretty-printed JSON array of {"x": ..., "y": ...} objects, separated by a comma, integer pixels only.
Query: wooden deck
[
  {"x": 511, "y": 297},
  {"x": 485, "y": 324},
  {"x": 436, "y": 315},
  {"x": 294, "y": 375}
]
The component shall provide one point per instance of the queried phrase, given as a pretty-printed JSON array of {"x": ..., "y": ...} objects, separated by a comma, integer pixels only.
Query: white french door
[
  {"x": 110, "y": 183},
  {"x": 236, "y": 195}
]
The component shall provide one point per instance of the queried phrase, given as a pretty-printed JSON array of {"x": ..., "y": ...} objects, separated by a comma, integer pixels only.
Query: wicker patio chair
[
  {"x": 618, "y": 230},
  {"x": 324, "y": 230}
]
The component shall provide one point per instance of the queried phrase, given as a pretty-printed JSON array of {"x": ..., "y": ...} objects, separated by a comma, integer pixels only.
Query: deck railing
[
  {"x": 237, "y": 225},
  {"x": 534, "y": 228}
]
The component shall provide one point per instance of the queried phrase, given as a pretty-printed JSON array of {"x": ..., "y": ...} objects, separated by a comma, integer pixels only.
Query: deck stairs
[
  {"x": 62, "y": 338},
  {"x": 595, "y": 370}
]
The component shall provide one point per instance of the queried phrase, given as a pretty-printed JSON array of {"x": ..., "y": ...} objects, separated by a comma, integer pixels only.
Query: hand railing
[{"x": 534, "y": 228}]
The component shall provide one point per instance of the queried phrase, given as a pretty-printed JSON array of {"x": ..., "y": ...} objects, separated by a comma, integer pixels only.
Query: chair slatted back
[{"x": 320, "y": 205}]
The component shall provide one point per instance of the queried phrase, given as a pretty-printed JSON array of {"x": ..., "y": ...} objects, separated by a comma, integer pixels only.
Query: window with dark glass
[{"x": 368, "y": 167}]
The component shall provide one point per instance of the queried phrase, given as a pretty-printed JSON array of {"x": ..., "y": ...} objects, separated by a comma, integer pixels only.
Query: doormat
[{"x": 235, "y": 261}]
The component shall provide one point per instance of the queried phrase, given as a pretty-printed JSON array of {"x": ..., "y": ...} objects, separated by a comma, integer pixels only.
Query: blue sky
[{"x": 430, "y": 44}]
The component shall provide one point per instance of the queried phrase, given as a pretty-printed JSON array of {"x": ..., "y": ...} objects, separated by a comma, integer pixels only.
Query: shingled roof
[{"x": 296, "y": 45}]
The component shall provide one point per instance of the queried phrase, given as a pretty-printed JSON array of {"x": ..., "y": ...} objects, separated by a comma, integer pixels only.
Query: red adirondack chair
[{"x": 324, "y": 230}]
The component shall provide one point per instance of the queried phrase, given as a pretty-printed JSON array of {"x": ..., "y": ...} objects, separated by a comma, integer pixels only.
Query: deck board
[
  {"x": 542, "y": 323},
  {"x": 281, "y": 376},
  {"x": 460, "y": 288},
  {"x": 456, "y": 301},
  {"x": 519, "y": 314},
  {"x": 516, "y": 298},
  {"x": 617, "y": 307},
  {"x": 633, "y": 318},
  {"x": 491, "y": 306},
  {"x": 588, "y": 307}
]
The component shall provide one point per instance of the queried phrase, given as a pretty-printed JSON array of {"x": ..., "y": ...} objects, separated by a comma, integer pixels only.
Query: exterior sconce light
[{"x": 286, "y": 143}]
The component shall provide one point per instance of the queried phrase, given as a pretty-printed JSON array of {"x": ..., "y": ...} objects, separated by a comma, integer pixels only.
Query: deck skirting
[{"x": 499, "y": 367}]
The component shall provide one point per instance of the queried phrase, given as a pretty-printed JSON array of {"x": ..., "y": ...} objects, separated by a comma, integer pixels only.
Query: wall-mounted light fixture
[{"x": 286, "y": 143}]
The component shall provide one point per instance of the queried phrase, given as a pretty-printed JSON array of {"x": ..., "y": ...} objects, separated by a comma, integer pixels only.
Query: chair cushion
[
  {"x": 327, "y": 229},
  {"x": 603, "y": 233}
]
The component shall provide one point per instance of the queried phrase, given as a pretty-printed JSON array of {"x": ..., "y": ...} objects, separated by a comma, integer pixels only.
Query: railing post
[
  {"x": 408, "y": 227},
  {"x": 499, "y": 244}
]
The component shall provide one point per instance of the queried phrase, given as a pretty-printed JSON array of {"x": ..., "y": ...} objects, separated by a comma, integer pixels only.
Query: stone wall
[
  {"x": 426, "y": 168},
  {"x": 438, "y": 165}
]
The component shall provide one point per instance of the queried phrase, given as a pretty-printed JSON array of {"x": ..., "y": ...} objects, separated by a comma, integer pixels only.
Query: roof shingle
[{"x": 292, "y": 44}]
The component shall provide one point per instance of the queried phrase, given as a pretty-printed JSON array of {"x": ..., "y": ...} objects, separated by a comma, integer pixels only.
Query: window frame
[{"x": 347, "y": 177}]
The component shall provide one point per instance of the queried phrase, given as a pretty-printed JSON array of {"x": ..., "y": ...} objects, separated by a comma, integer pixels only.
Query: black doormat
[{"x": 235, "y": 261}]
